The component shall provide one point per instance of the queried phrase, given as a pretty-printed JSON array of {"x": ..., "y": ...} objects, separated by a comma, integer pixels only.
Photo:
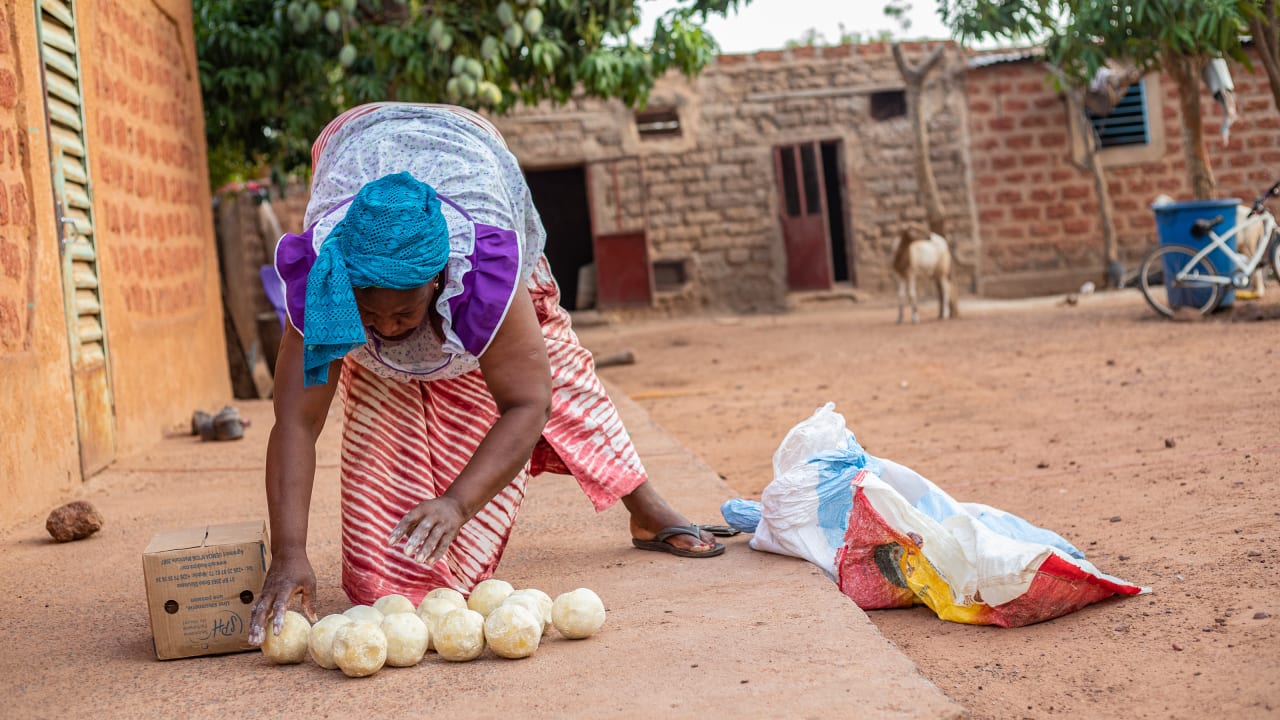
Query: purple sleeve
[
  {"x": 294, "y": 258},
  {"x": 479, "y": 310}
]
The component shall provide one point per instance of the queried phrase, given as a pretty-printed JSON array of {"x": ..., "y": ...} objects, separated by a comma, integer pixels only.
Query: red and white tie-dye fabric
[{"x": 405, "y": 442}]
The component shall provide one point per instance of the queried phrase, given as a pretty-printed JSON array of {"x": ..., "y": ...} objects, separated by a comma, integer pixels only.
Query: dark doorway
[
  {"x": 561, "y": 198},
  {"x": 841, "y": 266}
]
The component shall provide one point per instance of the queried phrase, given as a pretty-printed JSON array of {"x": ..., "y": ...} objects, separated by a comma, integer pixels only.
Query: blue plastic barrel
[{"x": 1173, "y": 225}]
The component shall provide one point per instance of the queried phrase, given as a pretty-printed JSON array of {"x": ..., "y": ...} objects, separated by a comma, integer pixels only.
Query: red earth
[{"x": 1147, "y": 443}]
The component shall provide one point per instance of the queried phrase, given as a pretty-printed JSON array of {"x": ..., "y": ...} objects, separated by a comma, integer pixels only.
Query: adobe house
[
  {"x": 769, "y": 173},
  {"x": 110, "y": 312},
  {"x": 785, "y": 171}
]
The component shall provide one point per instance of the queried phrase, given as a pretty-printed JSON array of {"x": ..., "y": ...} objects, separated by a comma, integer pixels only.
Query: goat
[
  {"x": 928, "y": 257},
  {"x": 1246, "y": 243}
]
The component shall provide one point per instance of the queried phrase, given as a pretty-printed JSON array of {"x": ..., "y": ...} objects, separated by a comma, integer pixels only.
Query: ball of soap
[
  {"x": 443, "y": 593},
  {"x": 365, "y": 613},
  {"x": 459, "y": 635},
  {"x": 321, "y": 642},
  {"x": 578, "y": 613},
  {"x": 431, "y": 610},
  {"x": 392, "y": 604},
  {"x": 359, "y": 649},
  {"x": 541, "y": 600},
  {"x": 406, "y": 639},
  {"x": 290, "y": 646},
  {"x": 513, "y": 631},
  {"x": 488, "y": 595}
]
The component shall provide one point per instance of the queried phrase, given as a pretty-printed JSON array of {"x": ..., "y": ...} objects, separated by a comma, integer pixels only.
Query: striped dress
[{"x": 416, "y": 411}]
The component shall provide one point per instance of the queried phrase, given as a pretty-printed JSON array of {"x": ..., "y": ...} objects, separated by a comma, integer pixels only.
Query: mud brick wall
[
  {"x": 1038, "y": 213},
  {"x": 157, "y": 277},
  {"x": 709, "y": 197}
]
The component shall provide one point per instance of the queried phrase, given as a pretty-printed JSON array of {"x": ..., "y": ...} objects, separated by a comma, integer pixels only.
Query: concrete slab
[{"x": 745, "y": 635}]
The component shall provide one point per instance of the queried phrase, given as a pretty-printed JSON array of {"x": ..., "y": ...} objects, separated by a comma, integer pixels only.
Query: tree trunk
[
  {"x": 1106, "y": 211},
  {"x": 914, "y": 78},
  {"x": 1185, "y": 71},
  {"x": 1266, "y": 37}
]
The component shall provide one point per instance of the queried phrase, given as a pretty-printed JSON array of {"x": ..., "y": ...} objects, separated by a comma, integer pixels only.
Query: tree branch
[
  {"x": 1265, "y": 31},
  {"x": 918, "y": 73}
]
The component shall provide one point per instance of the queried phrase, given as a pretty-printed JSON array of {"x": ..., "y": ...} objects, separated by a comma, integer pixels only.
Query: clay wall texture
[{"x": 157, "y": 267}]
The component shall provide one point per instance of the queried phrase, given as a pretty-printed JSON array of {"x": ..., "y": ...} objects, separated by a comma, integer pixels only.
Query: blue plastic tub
[{"x": 1173, "y": 225}]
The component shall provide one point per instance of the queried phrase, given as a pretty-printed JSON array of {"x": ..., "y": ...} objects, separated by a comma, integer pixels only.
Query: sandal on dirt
[
  {"x": 659, "y": 544},
  {"x": 227, "y": 424}
]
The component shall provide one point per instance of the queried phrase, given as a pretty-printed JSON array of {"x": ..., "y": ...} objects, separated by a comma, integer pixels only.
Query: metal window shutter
[
  {"x": 68, "y": 154},
  {"x": 1127, "y": 124}
]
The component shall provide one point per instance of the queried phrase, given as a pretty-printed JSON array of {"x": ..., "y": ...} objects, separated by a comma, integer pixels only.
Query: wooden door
[
  {"x": 803, "y": 209},
  {"x": 68, "y": 155}
]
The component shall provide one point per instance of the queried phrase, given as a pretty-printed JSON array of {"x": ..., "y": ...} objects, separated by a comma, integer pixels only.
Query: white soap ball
[
  {"x": 321, "y": 642},
  {"x": 431, "y": 610},
  {"x": 392, "y": 604},
  {"x": 488, "y": 595},
  {"x": 365, "y": 613},
  {"x": 359, "y": 649},
  {"x": 443, "y": 593},
  {"x": 541, "y": 599},
  {"x": 406, "y": 639},
  {"x": 513, "y": 631},
  {"x": 578, "y": 613},
  {"x": 459, "y": 635},
  {"x": 290, "y": 646}
]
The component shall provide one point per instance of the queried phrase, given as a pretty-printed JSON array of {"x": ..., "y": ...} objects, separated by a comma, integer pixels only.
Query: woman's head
[
  {"x": 394, "y": 314},
  {"x": 393, "y": 238}
]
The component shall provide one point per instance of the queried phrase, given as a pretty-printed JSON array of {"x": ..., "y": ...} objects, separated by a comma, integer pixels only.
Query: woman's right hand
[{"x": 288, "y": 575}]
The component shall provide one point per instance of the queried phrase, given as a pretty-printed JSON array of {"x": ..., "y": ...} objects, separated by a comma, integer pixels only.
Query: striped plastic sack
[{"x": 891, "y": 538}]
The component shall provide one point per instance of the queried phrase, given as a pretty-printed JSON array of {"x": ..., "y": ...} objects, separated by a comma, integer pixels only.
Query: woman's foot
[{"x": 650, "y": 515}]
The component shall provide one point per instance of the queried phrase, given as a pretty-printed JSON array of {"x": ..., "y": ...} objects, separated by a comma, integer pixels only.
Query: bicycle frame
[{"x": 1244, "y": 264}]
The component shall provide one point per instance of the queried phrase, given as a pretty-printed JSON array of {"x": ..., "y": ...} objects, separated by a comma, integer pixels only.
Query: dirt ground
[{"x": 1149, "y": 444}]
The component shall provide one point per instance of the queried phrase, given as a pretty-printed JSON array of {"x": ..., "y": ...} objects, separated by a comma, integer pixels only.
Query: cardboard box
[{"x": 201, "y": 586}]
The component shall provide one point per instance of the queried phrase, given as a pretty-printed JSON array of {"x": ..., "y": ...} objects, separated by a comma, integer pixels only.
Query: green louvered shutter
[{"x": 68, "y": 154}]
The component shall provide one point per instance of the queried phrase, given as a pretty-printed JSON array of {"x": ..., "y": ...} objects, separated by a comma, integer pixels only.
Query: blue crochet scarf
[{"x": 393, "y": 236}]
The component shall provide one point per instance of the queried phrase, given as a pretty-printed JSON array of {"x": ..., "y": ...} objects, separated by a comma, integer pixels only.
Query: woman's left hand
[{"x": 429, "y": 528}]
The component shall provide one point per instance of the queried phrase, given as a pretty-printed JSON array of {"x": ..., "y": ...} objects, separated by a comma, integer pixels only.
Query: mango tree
[{"x": 273, "y": 72}]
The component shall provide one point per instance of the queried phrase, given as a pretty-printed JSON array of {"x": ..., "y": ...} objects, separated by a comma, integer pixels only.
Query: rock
[
  {"x": 1170, "y": 442},
  {"x": 1115, "y": 518},
  {"x": 1176, "y": 646},
  {"x": 73, "y": 521},
  {"x": 1261, "y": 615}
]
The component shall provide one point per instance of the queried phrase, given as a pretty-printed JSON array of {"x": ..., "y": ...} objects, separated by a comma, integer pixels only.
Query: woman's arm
[
  {"x": 518, "y": 375},
  {"x": 291, "y": 468}
]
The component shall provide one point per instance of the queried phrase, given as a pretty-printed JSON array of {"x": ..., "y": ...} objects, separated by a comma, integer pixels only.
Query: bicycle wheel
[{"x": 1165, "y": 294}]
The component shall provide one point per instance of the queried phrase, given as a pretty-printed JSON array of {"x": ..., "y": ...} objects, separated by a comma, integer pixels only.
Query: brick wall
[
  {"x": 1037, "y": 212},
  {"x": 709, "y": 196}
]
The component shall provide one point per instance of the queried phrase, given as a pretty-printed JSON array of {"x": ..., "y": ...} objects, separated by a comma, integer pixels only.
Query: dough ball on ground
[
  {"x": 541, "y": 599},
  {"x": 290, "y": 646},
  {"x": 513, "y": 631},
  {"x": 577, "y": 614},
  {"x": 488, "y": 595},
  {"x": 431, "y": 610},
  {"x": 392, "y": 604},
  {"x": 321, "y": 642},
  {"x": 365, "y": 613},
  {"x": 406, "y": 639},
  {"x": 458, "y": 599},
  {"x": 359, "y": 649},
  {"x": 459, "y": 635}
]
